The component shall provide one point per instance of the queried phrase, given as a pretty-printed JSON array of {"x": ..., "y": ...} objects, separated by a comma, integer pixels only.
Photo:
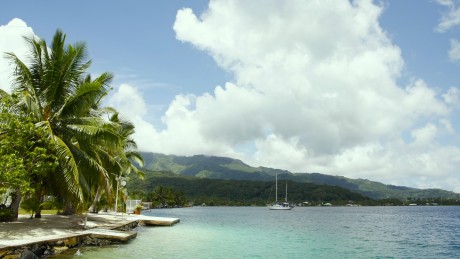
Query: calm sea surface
[{"x": 304, "y": 232}]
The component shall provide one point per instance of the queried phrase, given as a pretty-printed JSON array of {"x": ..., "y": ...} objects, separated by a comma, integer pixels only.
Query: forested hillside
[
  {"x": 241, "y": 192},
  {"x": 212, "y": 167}
]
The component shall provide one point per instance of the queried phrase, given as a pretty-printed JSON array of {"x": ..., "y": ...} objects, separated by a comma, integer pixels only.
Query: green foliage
[
  {"x": 232, "y": 169},
  {"x": 26, "y": 155},
  {"x": 139, "y": 207},
  {"x": 373, "y": 189},
  {"x": 164, "y": 197},
  {"x": 235, "y": 192},
  {"x": 237, "y": 165},
  {"x": 50, "y": 205},
  {"x": 14, "y": 174},
  {"x": 56, "y": 93},
  {"x": 6, "y": 214},
  {"x": 161, "y": 162},
  {"x": 31, "y": 205},
  {"x": 217, "y": 192},
  {"x": 207, "y": 167}
]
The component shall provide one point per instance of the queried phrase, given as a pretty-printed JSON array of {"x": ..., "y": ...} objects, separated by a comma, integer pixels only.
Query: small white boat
[{"x": 279, "y": 205}]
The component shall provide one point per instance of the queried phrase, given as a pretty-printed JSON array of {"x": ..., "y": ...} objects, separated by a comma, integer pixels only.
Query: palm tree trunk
[
  {"x": 95, "y": 207},
  {"x": 69, "y": 209}
]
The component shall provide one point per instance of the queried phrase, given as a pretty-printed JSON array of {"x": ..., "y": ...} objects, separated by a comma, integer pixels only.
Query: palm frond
[
  {"x": 136, "y": 157},
  {"x": 70, "y": 172},
  {"x": 82, "y": 101}
]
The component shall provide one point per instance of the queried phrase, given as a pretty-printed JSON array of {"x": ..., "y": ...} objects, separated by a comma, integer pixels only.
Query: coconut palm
[
  {"x": 55, "y": 87},
  {"x": 119, "y": 162}
]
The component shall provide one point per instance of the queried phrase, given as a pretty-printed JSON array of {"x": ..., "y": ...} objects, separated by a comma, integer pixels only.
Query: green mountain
[{"x": 212, "y": 167}]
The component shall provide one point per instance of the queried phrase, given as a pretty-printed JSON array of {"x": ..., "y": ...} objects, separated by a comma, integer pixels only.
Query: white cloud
[
  {"x": 452, "y": 97},
  {"x": 454, "y": 52},
  {"x": 424, "y": 136},
  {"x": 12, "y": 41},
  {"x": 129, "y": 101},
  {"x": 449, "y": 3},
  {"x": 183, "y": 133},
  {"x": 315, "y": 90},
  {"x": 268, "y": 150},
  {"x": 447, "y": 125},
  {"x": 451, "y": 18}
]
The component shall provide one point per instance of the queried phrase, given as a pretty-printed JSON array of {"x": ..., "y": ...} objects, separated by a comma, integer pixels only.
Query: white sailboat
[{"x": 279, "y": 206}]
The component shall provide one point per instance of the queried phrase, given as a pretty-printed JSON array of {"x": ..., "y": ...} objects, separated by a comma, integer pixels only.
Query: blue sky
[
  {"x": 364, "y": 89},
  {"x": 412, "y": 25},
  {"x": 134, "y": 41}
]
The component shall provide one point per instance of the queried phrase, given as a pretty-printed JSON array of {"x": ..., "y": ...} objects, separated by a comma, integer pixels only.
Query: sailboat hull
[{"x": 279, "y": 207}]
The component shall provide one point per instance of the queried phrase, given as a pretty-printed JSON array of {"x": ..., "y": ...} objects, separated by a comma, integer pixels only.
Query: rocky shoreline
[{"x": 103, "y": 230}]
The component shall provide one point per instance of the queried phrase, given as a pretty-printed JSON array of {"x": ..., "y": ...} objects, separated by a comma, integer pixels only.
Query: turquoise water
[{"x": 304, "y": 232}]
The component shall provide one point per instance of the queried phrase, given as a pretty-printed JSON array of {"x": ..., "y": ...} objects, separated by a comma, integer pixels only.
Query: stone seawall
[{"x": 121, "y": 233}]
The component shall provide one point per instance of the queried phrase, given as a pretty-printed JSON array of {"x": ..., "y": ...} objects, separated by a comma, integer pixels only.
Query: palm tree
[
  {"x": 63, "y": 99},
  {"x": 120, "y": 162}
]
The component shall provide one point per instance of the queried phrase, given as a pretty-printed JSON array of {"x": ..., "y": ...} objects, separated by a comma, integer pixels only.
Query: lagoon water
[{"x": 304, "y": 232}]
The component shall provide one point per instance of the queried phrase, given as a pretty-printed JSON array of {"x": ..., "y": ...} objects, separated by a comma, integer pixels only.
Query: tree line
[
  {"x": 56, "y": 138},
  {"x": 241, "y": 192},
  {"x": 219, "y": 192}
]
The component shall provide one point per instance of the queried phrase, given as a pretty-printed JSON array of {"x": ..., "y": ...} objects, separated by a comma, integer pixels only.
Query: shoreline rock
[{"x": 57, "y": 245}]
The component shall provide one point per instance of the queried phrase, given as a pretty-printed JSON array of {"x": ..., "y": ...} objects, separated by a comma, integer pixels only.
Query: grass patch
[{"x": 24, "y": 212}]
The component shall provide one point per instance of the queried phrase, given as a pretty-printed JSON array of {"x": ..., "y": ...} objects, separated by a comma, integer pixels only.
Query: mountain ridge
[{"x": 215, "y": 167}]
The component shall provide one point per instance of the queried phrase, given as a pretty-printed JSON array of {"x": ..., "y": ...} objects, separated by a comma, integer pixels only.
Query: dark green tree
[{"x": 26, "y": 154}]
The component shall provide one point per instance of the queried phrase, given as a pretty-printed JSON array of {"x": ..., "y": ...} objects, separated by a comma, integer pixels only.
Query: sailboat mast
[
  {"x": 285, "y": 199},
  {"x": 276, "y": 188}
]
